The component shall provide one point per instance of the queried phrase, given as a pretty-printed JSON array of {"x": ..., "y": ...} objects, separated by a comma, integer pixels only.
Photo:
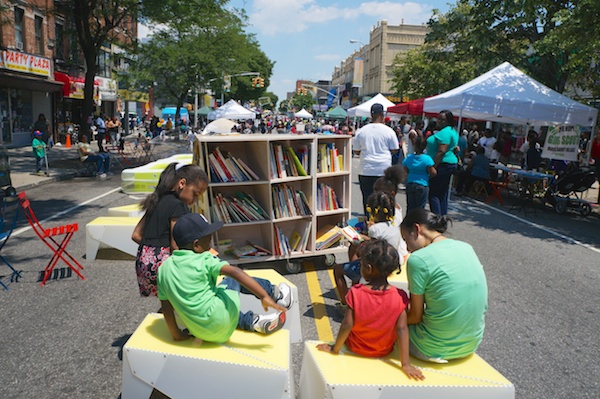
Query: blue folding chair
[{"x": 8, "y": 220}]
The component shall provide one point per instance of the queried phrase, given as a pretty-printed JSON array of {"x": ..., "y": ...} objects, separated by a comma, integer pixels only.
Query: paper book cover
[
  {"x": 295, "y": 239},
  {"x": 221, "y": 160},
  {"x": 351, "y": 234},
  {"x": 217, "y": 166},
  {"x": 297, "y": 162},
  {"x": 248, "y": 169}
]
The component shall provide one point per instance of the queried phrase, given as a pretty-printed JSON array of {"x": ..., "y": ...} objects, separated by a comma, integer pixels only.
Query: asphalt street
[{"x": 64, "y": 340}]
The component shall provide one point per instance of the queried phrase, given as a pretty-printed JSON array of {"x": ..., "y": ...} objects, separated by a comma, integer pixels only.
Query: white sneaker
[
  {"x": 269, "y": 323},
  {"x": 102, "y": 175},
  {"x": 285, "y": 297}
]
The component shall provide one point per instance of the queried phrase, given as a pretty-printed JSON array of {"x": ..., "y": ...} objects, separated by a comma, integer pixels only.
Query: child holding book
[
  {"x": 419, "y": 167},
  {"x": 211, "y": 312},
  {"x": 381, "y": 209},
  {"x": 376, "y": 317}
]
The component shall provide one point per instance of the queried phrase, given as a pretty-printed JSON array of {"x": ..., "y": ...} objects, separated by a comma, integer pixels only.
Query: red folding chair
[{"x": 48, "y": 237}]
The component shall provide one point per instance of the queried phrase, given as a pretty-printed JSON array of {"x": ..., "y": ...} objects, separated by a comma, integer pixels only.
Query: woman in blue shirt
[{"x": 440, "y": 147}]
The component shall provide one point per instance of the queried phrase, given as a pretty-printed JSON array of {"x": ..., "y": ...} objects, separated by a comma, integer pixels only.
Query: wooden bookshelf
[{"x": 290, "y": 169}]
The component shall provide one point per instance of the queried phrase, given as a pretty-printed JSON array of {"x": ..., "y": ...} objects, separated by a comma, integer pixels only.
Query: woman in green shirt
[
  {"x": 440, "y": 147},
  {"x": 448, "y": 290}
]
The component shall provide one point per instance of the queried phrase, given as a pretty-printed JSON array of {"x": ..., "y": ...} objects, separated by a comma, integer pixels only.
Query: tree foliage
[
  {"x": 547, "y": 39},
  {"x": 99, "y": 22},
  {"x": 195, "y": 44},
  {"x": 300, "y": 101}
]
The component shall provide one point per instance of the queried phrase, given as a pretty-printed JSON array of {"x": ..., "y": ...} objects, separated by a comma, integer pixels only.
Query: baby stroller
[{"x": 565, "y": 192}]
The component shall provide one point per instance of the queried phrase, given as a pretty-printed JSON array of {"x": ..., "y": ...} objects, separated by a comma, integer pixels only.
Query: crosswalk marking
[{"x": 324, "y": 331}]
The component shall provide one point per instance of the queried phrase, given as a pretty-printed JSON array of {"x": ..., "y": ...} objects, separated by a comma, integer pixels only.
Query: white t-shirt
[
  {"x": 391, "y": 234},
  {"x": 375, "y": 141},
  {"x": 488, "y": 145}
]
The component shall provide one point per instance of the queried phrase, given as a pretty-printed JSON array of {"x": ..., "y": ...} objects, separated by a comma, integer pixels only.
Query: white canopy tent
[
  {"x": 505, "y": 94},
  {"x": 364, "y": 109},
  {"x": 231, "y": 110},
  {"x": 303, "y": 114}
]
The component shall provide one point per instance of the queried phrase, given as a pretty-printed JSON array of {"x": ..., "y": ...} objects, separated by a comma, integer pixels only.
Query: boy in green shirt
[
  {"x": 39, "y": 150},
  {"x": 187, "y": 283}
]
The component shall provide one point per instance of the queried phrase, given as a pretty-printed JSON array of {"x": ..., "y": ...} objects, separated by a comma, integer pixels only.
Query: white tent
[
  {"x": 303, "y": 114},
  {"x": 231, "y": 110},
  {"x": 364, "y": 109},
  {"x": 219, "y": 126},
  {"x": 505, "y": 94}
]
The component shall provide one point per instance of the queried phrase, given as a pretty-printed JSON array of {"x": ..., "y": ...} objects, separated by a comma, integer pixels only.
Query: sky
[{"x": 307, "y": 38}]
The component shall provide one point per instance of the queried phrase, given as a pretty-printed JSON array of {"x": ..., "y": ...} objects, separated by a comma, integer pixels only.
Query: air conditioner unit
[{"x": 20, "y": 45}]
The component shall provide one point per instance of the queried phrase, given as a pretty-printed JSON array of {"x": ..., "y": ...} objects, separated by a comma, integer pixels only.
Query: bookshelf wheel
[
  {"x": 293, "y": 267},
  {"x": 329, "y": 260}
]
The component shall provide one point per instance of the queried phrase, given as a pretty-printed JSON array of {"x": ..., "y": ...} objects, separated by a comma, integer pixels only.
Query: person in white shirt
[
  {"x": 374, "y": 143},
  {"x": 487, "y": 142}
]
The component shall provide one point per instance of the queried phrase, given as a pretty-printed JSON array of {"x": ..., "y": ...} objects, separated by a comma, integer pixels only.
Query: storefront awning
[
  {"x": 28, "y": 82},
  {"x": 73, "y": 87}
]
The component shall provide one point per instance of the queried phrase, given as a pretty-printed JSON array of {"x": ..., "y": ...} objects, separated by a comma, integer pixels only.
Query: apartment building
[{"x": 368, "y": 70}]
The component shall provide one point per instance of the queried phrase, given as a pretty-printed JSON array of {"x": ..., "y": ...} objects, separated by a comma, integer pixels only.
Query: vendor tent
[
  {"x": 364, "y": 109},
  {"x": 336, "y": 113},
  {"x": 219, "y": 126},
  {"x": 303, "y": 114},
  {"x": 413, "y": 107},
  {"x": 169, "y": 112},
  {"x": 204, "y": 110},
  {"x": 505, "y": 94},
  {"x": 231, "y": 110}
]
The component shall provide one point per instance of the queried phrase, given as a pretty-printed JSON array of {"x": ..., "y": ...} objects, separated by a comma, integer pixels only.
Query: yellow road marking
[{"x": 324, "y": 331}]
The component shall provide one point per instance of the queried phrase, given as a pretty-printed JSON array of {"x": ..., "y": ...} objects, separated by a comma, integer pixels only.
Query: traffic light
[
  {"x": 261, "y": 82},
  {"x": 256, "y": 82}
]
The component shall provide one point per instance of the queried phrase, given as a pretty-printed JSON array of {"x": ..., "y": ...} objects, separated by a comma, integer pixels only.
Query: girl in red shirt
[{"x": 376, "y": 314}]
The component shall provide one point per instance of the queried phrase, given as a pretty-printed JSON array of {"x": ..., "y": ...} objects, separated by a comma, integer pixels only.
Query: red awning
[
  {"x": 413, "y": 107},
  {"x": 73, "y": 87}
]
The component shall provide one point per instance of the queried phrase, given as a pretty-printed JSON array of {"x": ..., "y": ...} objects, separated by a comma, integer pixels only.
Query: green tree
[
  {"x": 195, "y": 50},
  {"x": 98, "y": 23},
  {"x": 476, "y": 35},
  {"x": 300, "y": 101}
]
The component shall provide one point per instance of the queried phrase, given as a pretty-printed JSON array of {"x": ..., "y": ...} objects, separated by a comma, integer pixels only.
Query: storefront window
[
  {"x": 4, "y": 116},
  {"x": 21, "y": 110}
]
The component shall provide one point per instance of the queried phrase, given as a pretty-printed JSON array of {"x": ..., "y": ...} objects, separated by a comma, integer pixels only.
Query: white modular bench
[
  {"x": 348, "y": 376},
  {"x": 112, "y": 232},
  {"x": 248, "y": 365}
]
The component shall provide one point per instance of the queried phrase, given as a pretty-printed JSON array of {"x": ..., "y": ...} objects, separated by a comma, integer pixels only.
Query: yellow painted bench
[
  {"x": 248, "y": 365},
  {"x": 112, "y": 232},
  {"x": 249, "y": 302},
  {"x": 399, "y": 280},
  {"x": 347, "y": 376},
  {"x": 133, "y": 210}
]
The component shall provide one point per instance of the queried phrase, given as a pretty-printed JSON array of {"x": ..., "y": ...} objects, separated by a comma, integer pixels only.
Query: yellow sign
[{"x": 134, "y": 96}]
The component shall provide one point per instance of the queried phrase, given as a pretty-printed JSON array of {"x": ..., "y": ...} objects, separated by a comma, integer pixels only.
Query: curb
[{"x": 50, "y": 179}]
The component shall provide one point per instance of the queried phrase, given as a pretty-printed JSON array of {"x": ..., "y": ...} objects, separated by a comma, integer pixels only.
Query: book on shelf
[
  {"x": 327, "y": 236},
  {"x": 246, "y": 251},
  {"x": 329, "y": 159},
  {"x": 297, "y": 166},
  {"x": 295, "y": 239},
  {"x": 237, "y": 209},
  {"x": 327, "y": 199},
  {"x": 227, "y": 168},
  {"x": 282, "y": 244},
  {"x": 289, "y": 202},
  {"x": 259, "y": 248}
]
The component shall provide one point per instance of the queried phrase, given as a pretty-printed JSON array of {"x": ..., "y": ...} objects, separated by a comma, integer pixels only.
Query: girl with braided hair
[
  {"x": 381, "y": 208},
  {"x": 376, "y": 316},
  {"x": 178, "y": 188}
]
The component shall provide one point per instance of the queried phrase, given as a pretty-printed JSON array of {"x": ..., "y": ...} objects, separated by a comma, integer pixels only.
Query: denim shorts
[{"x": 352, "y": 270}]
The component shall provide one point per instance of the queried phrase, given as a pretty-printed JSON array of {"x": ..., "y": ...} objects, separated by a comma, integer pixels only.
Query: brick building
[{"x": 42, "y": 70}]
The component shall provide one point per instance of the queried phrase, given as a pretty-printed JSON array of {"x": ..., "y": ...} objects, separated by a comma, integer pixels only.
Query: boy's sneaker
[
  {"x": 102, "y": 176},
  {"x": 269, "y": 323},
  {"x": 284, "y": 297}
]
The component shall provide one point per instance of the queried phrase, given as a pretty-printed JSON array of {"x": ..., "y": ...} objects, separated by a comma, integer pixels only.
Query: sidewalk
[{"x": 63, "y": 163}]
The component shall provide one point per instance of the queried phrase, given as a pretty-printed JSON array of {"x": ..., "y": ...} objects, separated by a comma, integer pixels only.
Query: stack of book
[
  {"x": 327, "y": 200},
  {"x": 249, "y": 250},
  {"x": 289, "y": 202},
  {"x": 239, "y": 208},
  {"x": 226, "y": 168},
  {"x": 352, "y": 235},
  {"x": 328, "y": 236},
  {"x": 329, "y": 159},
  {"x": 287, "y": 162}
]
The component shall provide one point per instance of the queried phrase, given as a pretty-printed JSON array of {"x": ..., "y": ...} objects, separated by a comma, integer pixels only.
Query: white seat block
[
  {"x": 248, "y": 365},
  {"x": 110, "y": 231},
  {"x": 348, "y": 376}
]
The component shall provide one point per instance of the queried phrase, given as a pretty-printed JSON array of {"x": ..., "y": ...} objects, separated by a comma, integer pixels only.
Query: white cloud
[
  {"x": 291, "y": 16},
  {"x": 327, "y": 57}
]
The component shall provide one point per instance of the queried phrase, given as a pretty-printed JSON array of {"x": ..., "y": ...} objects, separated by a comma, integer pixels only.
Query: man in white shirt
[
  {"x": 487, "y": 142},
  {"x": 374, "y": 143}
]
